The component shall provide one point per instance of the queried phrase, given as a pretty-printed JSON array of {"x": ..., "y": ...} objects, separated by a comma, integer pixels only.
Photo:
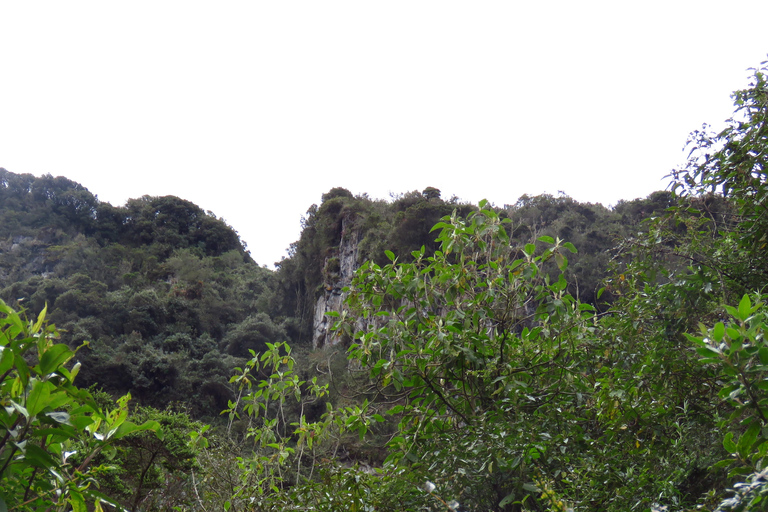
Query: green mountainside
[{"x": 170, "y": 301}]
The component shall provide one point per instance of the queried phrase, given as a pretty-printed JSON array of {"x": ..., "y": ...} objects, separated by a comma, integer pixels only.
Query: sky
[{"x": 254, "y": 109}]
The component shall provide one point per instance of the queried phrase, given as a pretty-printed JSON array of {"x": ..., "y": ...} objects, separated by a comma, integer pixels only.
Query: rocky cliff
[{"x": 337, "y": 273}]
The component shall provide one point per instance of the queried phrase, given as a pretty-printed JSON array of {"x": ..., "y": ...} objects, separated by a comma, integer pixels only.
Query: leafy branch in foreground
[
  {"x": 476, "y": 347},
  {"x": 50, "y": 431},
  {"x": 739, "y": 350}
]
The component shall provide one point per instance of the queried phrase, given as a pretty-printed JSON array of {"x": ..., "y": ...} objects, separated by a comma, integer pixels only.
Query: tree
[
  {"x": 478, "y": 349},
  {"x": 734, "y": 162}
]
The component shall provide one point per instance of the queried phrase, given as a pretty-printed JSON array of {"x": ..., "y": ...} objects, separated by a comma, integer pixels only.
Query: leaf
[
  {"x": 59, "y": 416},
  {"x": 40, "y": 319},
  {"x": 22, "y": 369},
  {"x": 77, "y": 501},
  {"x": 707, "y": 352},
  {"x": 20, "y": 408},
  {"x": 38, "y": 397},
  {"x": 570, "y": 247},
  {"x": 391, "y": 255},
  {"x": 763, "y": 353},
  {"x": 129, "y": 427},
  {"x": 745, "y": 308},
  {"x": 728, "y": 443},
  {"x": 507, "y": 499},
  {"x": 6, "y": 359},
  {"x": 38, "y": 457},
  {"x": 546, "y": 239},
  {"x": 531, "y": 487},
  {"x": 747, "y": 439},
  {"x": 562, "y": 261},
  {"x": 718, "y": 332}
]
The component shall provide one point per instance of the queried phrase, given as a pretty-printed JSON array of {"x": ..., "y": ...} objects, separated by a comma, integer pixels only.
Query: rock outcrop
[{"x": 338, "y": 271}]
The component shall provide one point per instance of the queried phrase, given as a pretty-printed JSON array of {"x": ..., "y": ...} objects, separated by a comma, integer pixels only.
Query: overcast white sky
[{"x": 254, "y": 109}]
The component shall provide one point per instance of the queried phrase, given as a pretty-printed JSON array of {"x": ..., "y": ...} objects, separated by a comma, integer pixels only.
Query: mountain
[{"x": 170, "y": 301}]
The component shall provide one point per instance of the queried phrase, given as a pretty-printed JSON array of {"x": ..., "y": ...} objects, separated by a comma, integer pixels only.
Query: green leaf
[
  {"x": 546, "y": 239},
  {"x": 20, "y": 408},
  {"x": 707, "y": 352},
  {"x": 728, "y": 443},
  {"x": 507, "y": 500},
  {"x": 6, "y": 359},
  {"x": 718, "y": 332},
  {"x": 22, "y": 369},
  {"x": 529, "y": 249},
  {"x": 38, "y": 397},
  {"x": 747, "y": 439},
  {"x": 391, "y": 255},
  {"x": 745, "y": 308},
  {"x": 38, "y": 457},
  {"x": 129, "y": 427},
  {"x": 40, "y": 319},
  {"x": 77, "y": 501},
  {"x": 571, "y": 247},
  {"x": 531, "y": 487},
  {"x": 562, "y": 261}
]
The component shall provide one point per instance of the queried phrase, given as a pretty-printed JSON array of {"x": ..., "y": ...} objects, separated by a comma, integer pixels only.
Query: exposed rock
[{"x": 338, "y": 274}]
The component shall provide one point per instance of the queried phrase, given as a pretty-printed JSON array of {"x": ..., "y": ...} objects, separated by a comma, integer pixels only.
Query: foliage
[
  {"x": 50, "y": 431},
  {"x": 475, "y": 345},
  {"x": 278, "y": 444},
  {"x": 739, "y": 350},
  {"x": 733, "y": 162},
  {"x": 593, "y": 228},
  {"x": 154, "y": 472}
]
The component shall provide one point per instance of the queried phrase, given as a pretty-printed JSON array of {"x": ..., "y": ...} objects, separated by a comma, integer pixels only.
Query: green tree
[
  {"x": 478, "y": 348},
  {"x": 733, "y": 163}
]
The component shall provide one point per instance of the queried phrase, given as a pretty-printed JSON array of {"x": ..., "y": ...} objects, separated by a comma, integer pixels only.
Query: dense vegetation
[{"x": 545, "y": 355}]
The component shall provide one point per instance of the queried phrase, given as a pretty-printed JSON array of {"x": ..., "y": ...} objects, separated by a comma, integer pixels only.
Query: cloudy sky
[{"x": 254, "y": 109}]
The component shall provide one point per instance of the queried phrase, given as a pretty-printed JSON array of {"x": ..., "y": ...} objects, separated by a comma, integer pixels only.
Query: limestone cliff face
[{"x": 337, "y": 272}]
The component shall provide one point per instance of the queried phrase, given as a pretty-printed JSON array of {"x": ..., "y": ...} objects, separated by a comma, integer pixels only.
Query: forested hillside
[
  {"x": 541, "y": 355},
  {"x": 170, "y": 301}
]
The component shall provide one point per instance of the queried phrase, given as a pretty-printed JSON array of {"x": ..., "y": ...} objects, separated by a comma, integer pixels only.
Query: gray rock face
[{"x": 338, "y": 271}]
